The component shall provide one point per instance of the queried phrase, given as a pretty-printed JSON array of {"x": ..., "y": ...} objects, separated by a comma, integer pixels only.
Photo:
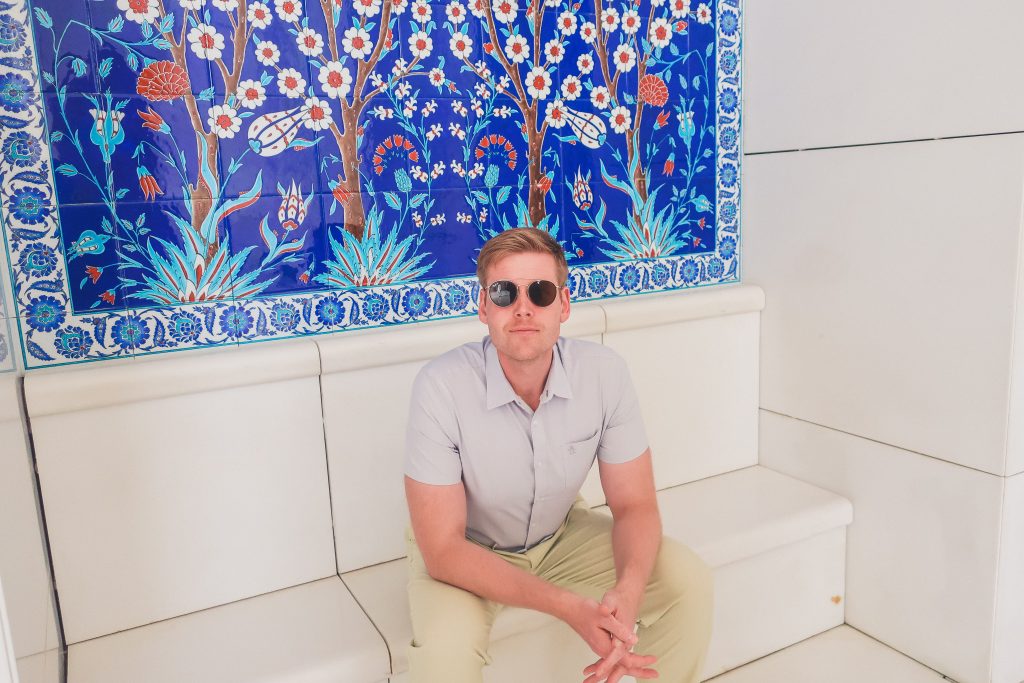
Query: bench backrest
[{"x": 177, "y": 483}]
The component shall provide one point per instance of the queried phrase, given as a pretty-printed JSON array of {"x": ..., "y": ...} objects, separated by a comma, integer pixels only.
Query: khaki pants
[{"x": 451, "y": 627}]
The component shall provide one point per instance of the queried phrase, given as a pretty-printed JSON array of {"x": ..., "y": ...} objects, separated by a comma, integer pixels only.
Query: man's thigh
[
  {"x": 441, "y": 611},
  {"x": 581, "y": 558}
]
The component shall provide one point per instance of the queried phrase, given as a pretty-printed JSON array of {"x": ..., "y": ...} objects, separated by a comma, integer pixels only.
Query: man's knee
[
  {"x": 450, "y": 628},
  {"x": 682, "y": 574}
]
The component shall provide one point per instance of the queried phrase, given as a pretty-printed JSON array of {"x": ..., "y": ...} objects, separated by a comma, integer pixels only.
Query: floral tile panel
[{"x": 188, "y": 173}]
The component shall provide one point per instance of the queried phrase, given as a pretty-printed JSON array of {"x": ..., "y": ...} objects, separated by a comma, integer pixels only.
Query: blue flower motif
[
  {"x": 45, "y": 313},
  {"x": 12, "y": 34},
  {"x": 727, "y": 139},
  {"x": 185, "y": 327},
  {"x": 236, "y": 320},
  {"x": 21, "y": 149},
  {"x": 689, "y": 271},
  {"x": 727, "y": 249},
  {"x": 72, "y": 342},
  {"x": 29, "y": 205},
  {"x": 728, "y": 212},
  {"x": 728, "y": 22},
  {"x": 729, "y": 100},
  {"x": 660, "y": 274},
  {"x": 284, "y": 317},
  {"x": 456, "y": 298},
  {"x": 416, "y": 301},
  {"x": 597, "y": 281},
  {"x": 629, "y": 277},
  {"x": 375, "y": 306},
  {"x": 16, "y": 92},
  {"x": 130, "y": 332},
  {"x": 728, "y": 174},
  {"x": 715, "y": 268},
  {"x": 329, "y": 311},
  {"x": 38, "y": 260},
  {"x": 728, "y": 61}
]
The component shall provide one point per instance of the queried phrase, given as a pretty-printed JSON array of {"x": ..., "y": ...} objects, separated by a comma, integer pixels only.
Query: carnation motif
[
  {"x": 163, "y": 81},
  {"x": 653, "y": 90}
]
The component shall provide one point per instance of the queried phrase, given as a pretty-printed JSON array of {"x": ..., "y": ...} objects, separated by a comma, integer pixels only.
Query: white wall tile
[
  {"x": 922, "y": 549},
  {"x": 838, "y": 73},
  {"x": 23, "y": 565},
  {"x": 163, "y": 507},
  {"x": 697, "y": 386},
  {"x": 1015, "y": 431},
  {"x": 889, "y": 277},
  {"x": 1008, "y": 656}
]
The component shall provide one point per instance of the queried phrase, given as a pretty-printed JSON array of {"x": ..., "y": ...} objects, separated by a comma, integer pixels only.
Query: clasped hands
[{"x": 607, "y": 627}]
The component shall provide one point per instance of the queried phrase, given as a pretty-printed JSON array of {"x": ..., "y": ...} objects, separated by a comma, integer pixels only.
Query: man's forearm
[
  {"x": 636, "y": 538},
  {"x": 472, "y": 568}
]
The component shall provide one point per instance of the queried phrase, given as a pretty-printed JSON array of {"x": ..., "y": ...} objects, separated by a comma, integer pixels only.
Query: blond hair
[{"x": 521, "y": 241}]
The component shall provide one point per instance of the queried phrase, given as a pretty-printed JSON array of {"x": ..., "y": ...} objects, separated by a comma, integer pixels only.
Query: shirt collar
[{"x": 500, "y": 392}]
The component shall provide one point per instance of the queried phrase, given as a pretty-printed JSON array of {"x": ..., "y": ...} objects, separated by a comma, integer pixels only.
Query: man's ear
[
  {"x": 563, "y": 299},
  {"x": 481, "y": 312}
]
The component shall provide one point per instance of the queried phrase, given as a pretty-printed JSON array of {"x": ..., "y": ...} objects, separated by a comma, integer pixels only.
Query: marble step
[{"x": 839, "y": 655}]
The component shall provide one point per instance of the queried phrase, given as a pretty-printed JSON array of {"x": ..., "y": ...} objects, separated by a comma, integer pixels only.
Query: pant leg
[
  {"x": 451, "y": 627},
  {"x": 676, "y": 613}
]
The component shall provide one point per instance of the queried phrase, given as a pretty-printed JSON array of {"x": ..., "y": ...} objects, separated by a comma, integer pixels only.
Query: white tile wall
[
  {"x": 889, "y": 275},
  {"x": 23, "y": 565},
  {"x": 700, "y": 409},
  {"x": 1015, "y": 432},
  {"x": 839, "y": 73},
  {"x": 1008, "y": 655},
  {"x": 192, "y": 501},
  {"x": 922, "y": 549}
]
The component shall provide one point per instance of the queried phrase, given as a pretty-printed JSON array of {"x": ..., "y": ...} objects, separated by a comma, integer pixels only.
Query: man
[{"x": 501, "y": 436}]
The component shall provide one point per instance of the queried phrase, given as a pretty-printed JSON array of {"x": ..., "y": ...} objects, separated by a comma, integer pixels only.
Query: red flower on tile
[
  {"x": 154, "y": 121},
  {"x": 653, "y": 90},
  {"x": 108, "y": 296},
  {"x": 94, "y": 273},
  {"x": 162, "y": 81}
]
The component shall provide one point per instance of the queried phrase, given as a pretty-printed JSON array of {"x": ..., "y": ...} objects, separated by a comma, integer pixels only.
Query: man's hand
[
  {"x": 624, "y": 605},
  {"x": 598, "y": 627}
]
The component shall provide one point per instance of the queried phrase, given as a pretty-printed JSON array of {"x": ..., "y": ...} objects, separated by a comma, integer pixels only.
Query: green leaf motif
[
  {"x": 43, "y": 18},
  {"x": 67, "y": 170}
]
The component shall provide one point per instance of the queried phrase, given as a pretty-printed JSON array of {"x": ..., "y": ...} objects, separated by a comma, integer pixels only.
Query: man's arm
[
  {"x": 438, "y": 515},
  {"x": 636, "y": 538}
]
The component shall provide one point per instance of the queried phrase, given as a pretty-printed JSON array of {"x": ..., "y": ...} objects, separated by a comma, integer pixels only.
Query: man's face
[{"x": 523, "y": 331}]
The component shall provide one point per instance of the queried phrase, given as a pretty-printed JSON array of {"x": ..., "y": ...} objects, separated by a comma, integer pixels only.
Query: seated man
[{"x": 501, "y": 436}]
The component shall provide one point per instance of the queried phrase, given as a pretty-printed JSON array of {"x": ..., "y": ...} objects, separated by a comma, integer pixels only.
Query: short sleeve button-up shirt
[{"x": 521, "y": 469}]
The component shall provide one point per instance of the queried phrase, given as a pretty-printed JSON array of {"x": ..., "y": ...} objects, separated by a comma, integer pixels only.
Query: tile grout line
[
  {"x": 883, "y": 443},
  {"x": 881, "y": 143}
]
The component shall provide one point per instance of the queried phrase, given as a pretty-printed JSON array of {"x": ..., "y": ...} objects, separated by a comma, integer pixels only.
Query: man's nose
[{"x": 523, "y": 305}]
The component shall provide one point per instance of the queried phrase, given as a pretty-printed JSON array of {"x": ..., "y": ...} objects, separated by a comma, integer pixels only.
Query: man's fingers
[
  {"x": 633, "y": 660},
  {"x": 619, "y": 630},
  {"x": 602, "y": 667}
]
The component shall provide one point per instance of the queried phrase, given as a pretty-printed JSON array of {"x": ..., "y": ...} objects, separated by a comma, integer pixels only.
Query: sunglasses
[{"x": 504, "y": 293}]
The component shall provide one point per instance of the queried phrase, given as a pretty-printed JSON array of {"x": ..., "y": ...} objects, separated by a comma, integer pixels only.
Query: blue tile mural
[{"x": 187, "y": 173}]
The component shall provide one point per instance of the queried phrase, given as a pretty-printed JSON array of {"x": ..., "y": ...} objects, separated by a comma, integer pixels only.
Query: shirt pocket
[{"x": 579, "y": 458}]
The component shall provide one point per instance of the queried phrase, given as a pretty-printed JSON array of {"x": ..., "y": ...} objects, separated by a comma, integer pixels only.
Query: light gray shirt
[{"x": 521, "y": 469}]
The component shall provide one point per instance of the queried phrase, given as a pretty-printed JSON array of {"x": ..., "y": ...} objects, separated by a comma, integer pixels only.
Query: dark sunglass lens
[
  {"x": 542, "y": 292},
  {"x": 502, "y": 293}
]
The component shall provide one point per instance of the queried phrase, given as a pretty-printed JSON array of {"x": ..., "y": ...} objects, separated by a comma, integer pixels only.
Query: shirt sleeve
[
  {"x": 431, "y": 453},
  {"x": 624, "y": 437}
]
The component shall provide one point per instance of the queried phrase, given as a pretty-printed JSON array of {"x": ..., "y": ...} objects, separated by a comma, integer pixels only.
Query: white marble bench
[{"x": 237, "y": 515}]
